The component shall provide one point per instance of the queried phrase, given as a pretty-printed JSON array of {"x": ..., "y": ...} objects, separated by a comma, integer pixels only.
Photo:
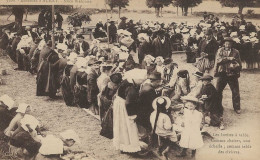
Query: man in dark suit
[
  {"x": 227, "y": 68},
  {"x": 82, "y": 46},
  {"x": 161, "y": 45},
  {"x": 92, "y": 88},
  {"x": 122, "y": 24}
]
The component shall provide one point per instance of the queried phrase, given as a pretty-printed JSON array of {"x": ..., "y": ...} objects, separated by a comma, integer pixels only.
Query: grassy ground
[{"x": 55, "y": 116}]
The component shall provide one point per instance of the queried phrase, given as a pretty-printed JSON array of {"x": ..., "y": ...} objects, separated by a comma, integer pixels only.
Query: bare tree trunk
[
  {"x": 161, "y": 11},
  {"x": 191, "y": 10},
  {"x": 157, "y": 11},
  {"x": 182, "y": 11},
  {"x": 186, "y": 10},
  {"x": 26, "y": 13},
  {"x": 240, "y": 10},
  {"x": 177, "y": 10},
  {"x": 119, "y": 9},
  {"x": 111, "y": 13}
]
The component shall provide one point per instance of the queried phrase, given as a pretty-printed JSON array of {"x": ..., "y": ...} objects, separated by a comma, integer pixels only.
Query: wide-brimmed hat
[
  {"x": 191, "y": 99},
  {"x": 198, "y": 74},
  {"x": 123, "y": 18},
  {"x": 228, "y": 39},
  {"x": 206, "y": 77},
  {"x": 8, "y": 101},
  {"x": 155, "y": 76},
  {"x": 160, "y": 100},
  {"x": 167, "y": 61}
]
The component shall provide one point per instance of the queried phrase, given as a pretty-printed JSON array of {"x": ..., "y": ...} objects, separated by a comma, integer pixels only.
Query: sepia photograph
[{"x": 129, "y": 79}]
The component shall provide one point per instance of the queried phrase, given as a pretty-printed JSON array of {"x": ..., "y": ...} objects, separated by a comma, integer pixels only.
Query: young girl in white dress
[{"x": 191, "y": 137}]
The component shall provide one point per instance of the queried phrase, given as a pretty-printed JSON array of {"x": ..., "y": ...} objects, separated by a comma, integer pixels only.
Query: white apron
[{"x": 124, "y": 128}]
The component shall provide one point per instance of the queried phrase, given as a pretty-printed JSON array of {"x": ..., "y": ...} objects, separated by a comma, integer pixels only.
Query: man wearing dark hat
[
  {"x": 122, "y": 24},
  {"x": 112, "y": 31},
  {"x": 227, "y": 68},
  {"x": 58, "y": 20},
  {"x": 82, "y": 46},
  {"x": 146, "y": 96},
  {"x": 207, "y": 49},
  {"x": 161, "y": 45}
]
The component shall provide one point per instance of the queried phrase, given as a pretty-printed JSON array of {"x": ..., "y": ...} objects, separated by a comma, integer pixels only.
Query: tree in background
[
  {"x": 241, "y": 4},
  {"x": 117, "y": 3},
  {"x": 185, "y": 4},
  {"x": 158, "y": 4}
]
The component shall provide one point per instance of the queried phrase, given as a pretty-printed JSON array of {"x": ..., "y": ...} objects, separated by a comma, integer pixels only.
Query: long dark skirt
[
  {"x": 107, "y": 124},
  {"x": 66, "y": 90},
  {"x": 46, "y": 81},
  {"x": 80, "y": 96}
]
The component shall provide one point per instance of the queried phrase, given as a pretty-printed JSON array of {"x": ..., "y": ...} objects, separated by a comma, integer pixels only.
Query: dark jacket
[
  {"x": 160, "y": 49},
  {"x": 4, "y": 41},
  {"x": 144, "y": 49},
  {"x": 122, "y": 25},
  {"x": 146, "y": 97},
  {"x": 85, "y": 47},
  {"x": 129, "y": 92},
  {"x": 223, "y": 66},
  {"x": 92, "y": 88},
  {"x": 210, "y": 48}
]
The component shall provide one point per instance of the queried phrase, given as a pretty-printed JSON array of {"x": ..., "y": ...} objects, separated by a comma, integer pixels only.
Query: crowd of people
[{"x": 136, "y": 86}]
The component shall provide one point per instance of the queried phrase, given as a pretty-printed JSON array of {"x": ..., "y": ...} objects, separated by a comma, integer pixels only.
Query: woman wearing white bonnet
[
  {"x": 22, "y": 110},
  {"x": 125, "y": 110}
]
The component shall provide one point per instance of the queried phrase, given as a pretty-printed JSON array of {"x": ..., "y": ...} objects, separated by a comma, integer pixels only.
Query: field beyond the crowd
[{"x": 55, "y": 116}]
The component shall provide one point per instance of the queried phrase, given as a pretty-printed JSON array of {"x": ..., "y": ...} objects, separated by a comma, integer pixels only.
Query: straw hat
[{"x": 161, "y": 100}]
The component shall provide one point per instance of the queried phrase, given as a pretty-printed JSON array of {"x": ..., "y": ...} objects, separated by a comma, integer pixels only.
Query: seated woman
[
  {"x": 161, "y": 123},
  {"x": 21, "y": 111}
]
